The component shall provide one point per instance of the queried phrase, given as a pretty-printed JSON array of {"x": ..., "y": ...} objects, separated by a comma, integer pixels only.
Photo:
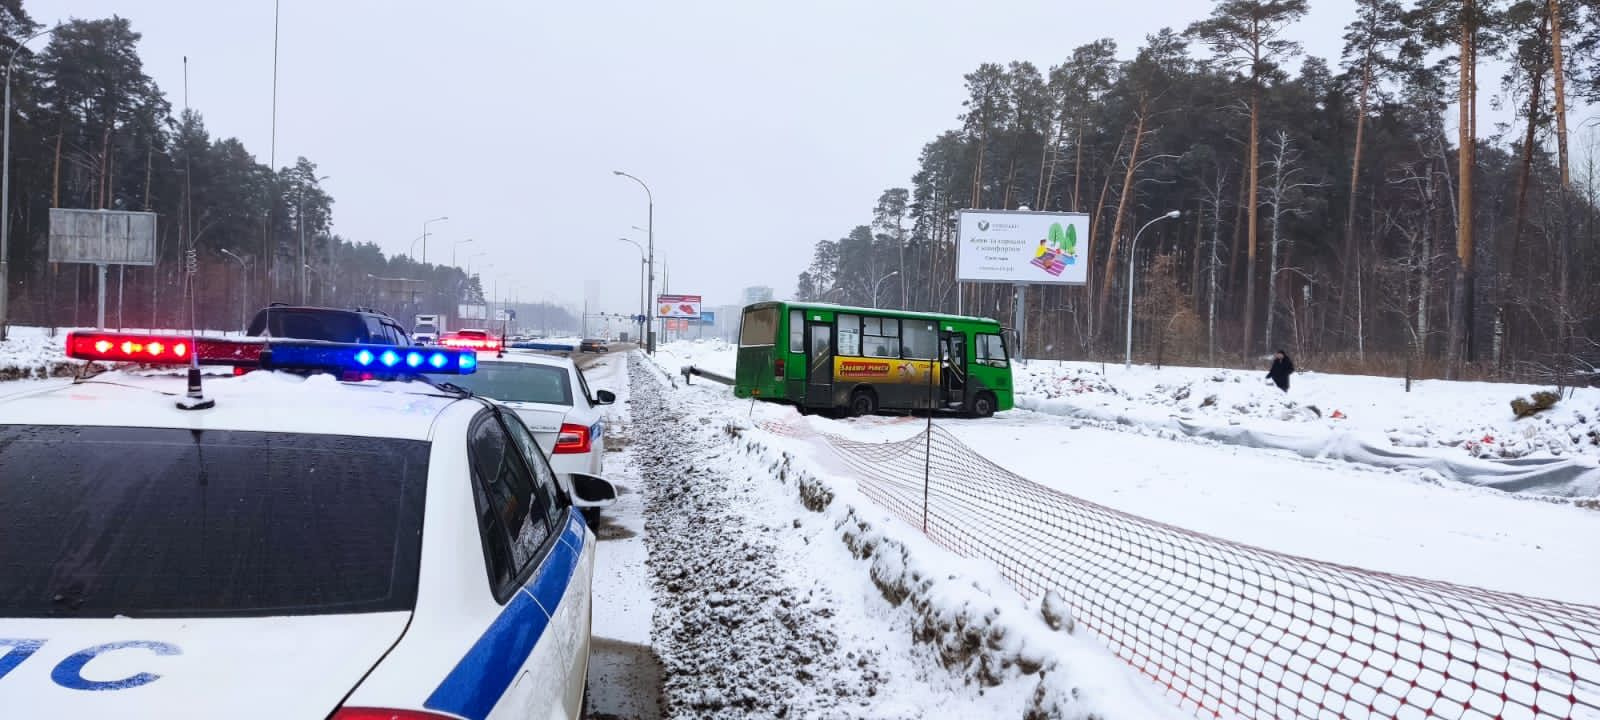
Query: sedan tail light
[
  {"x": 572, "y": 439},
  {"x": 366, "y": 713}
]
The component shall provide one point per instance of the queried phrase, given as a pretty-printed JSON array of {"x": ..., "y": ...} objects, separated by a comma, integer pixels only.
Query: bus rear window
[
  {"x": 759, "y": 328},
  {"x": 159, "y": 522}
]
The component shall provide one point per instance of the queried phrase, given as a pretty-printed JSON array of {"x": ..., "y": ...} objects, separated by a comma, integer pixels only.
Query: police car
[
  {"x": 552, "y": 397},
  {"x": 285, "y": 544}
]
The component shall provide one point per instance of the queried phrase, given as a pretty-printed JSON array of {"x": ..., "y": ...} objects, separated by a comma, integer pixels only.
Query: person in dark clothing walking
[{"x": 1282, "y": 367}]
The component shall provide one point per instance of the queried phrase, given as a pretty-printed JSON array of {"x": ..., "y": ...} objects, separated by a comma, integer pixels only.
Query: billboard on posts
[
  {"x": 102, "y": 237},
  {"x": 678, "y": 306},
  {"x": 1022, "y": 247},
  {"x": 472, "y": 311}
]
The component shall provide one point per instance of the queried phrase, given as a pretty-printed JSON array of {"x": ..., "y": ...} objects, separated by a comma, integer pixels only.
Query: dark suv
[{"x": 361, "y": 325}]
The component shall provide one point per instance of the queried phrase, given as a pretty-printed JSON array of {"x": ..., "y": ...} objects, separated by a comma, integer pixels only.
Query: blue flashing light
[{"x": 336, "y": 357}]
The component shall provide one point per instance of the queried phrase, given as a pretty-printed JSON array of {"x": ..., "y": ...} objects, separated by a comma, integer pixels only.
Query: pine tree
[{"x": 1248, "y": 35}]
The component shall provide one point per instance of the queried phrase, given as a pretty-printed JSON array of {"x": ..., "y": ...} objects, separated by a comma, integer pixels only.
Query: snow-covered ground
[
  {"x": 1473, "y": 417},
  {"x": 782, "y": 592},
  {"x": 1410, "y": 522}
]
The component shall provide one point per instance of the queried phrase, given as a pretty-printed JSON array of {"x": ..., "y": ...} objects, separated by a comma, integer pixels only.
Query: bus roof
[{"x": 874, "y": 311}]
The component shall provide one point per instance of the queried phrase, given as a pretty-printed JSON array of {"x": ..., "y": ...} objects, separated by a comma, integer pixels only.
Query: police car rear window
[
  {"x": 517, "y": 382},
  {"x": 101, "y": 522}
]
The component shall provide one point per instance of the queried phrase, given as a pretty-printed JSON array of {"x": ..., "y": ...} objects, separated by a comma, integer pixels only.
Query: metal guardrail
[{"x": 690, "y": 370}]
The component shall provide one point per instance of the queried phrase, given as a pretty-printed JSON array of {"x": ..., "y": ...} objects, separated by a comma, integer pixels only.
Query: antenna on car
[{"x": 195, "y": 398}]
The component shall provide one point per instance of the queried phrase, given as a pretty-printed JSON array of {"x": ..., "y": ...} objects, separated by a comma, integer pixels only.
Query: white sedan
[
  {"x": 552, "y": 396},
  {"x": 301, "y": 548}
]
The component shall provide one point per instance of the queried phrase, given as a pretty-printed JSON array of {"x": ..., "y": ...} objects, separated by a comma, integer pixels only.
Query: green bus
[{"x": 829, "y": 358}]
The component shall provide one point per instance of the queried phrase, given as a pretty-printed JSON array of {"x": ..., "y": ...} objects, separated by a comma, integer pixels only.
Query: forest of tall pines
[{"x": 1347, "y": 210}]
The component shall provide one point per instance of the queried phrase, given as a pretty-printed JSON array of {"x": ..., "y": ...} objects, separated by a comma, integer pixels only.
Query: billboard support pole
[
  {"x": 1020, "y": 316},
  {"x": 100, "y": 315}
]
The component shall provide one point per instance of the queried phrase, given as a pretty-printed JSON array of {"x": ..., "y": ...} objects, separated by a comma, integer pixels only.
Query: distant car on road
[
  {"x": 359, "y": 325},
  {"x": 426, "y": 329},
  {"x": 553, "y": 398},
  {"x": 471, "y": 340},
  {"x": 593, "y": 345}
]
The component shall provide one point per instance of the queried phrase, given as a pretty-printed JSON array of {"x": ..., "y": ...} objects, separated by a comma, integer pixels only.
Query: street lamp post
[
  {"x": 642, "y": 271},
  {"x": 424, "y": 237},
  {"x": 459, "y": 243},
  {"x": 5, "y": 189},
  {"x": 650, "y": 282},
  {"x": 879, "y": 284},
  {"x": 1127, "y": 358},
  {"x": 244, "y": 289},
  {"x": 469, "y": 261}
]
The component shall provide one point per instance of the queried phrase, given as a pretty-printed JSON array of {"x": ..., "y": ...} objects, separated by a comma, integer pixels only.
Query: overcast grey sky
[{"x": 761, "y": 126}]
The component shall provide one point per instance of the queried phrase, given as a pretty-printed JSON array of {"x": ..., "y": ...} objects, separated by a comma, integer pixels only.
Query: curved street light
[
  {"x": 643, "y": 264},
  {"x": 424, "y": 237},
  {"x": 879, "y": 284},
  {"x": 459, "y": 243},
  {"x": 650, "y": 282},
  {"x": 5, "y": 186},
  {"x": 244, "y": 288},
  {"x": 1127, "y": 358}
]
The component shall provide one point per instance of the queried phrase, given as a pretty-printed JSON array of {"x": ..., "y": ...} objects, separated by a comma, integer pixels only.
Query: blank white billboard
[{"x": 1022, "y": 247}]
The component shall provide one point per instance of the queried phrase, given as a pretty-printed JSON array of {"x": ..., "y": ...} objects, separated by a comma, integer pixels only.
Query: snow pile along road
[
  {"x": 1474, "y": 417},
  {"x": 30, "y": 353},
  {"x": 783, "y": 592}
]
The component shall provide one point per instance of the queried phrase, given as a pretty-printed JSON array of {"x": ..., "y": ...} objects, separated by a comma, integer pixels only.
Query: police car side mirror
[
  {"x": 604, "y": 397},
  {"x": 590, "y": 491}
]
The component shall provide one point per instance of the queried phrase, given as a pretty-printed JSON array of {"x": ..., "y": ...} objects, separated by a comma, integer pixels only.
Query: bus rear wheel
[
  {"x": 863, "y": 402},
  {"x": 983, "y": 405}
]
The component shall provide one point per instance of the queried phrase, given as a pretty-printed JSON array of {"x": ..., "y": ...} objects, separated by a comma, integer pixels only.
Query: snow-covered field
[
  {"x": 781, "y": 591},
  {"x": 1473, "y": 417},
  {"x": 1405, "y": 521}
]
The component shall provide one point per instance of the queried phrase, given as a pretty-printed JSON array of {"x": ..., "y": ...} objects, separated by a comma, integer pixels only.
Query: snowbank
[
  {"x": 1464, "y": 431},
  {"x": 973, "y": 624}
]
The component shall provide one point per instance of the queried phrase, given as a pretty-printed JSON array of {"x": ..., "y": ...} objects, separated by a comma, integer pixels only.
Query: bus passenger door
[
  {"x": 819, "y": 365},
  {"x": 953, "y": 373}
]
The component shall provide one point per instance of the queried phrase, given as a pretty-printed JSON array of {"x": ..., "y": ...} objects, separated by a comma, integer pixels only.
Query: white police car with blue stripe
[{"x": 285, "y": 544}]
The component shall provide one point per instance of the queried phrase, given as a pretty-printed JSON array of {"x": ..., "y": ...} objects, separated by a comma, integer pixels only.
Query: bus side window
[
  {"x": 991, "y": 351},
  {"x": 797, "y": 331},
  {"x": 849, "y": 335}
]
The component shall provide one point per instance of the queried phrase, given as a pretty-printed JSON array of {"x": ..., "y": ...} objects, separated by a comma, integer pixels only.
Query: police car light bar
[
  {"x": 370, "y": 358},
  {"x": 268, "y": 354},
  {"x": 159, "y": 349}
]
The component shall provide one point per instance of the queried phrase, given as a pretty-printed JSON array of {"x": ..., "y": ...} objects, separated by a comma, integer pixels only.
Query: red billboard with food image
[{"x": 678, "y": 306}]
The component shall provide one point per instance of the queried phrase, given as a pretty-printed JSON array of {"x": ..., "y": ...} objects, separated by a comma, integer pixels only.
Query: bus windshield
[{"x": 760, "y": 327}]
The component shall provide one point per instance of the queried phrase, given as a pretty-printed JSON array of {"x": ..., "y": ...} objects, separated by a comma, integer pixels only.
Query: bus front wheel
[
  {"x": 863, "y": 402},
  {"x": 983, "y": 405}
]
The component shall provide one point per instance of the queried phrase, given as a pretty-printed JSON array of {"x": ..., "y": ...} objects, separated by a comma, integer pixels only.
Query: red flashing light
[
  {"x": 127, "y": 347},
  {"x": 572, "y": 439}
]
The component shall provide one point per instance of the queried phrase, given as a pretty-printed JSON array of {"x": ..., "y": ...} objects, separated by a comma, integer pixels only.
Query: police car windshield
[
  {"x": 517, "y": 382},
  {"x": 103, "y": 521}
]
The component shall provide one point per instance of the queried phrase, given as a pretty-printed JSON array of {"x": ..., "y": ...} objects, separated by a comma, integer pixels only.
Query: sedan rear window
[
  {"x": 517, "y": 382},
  {"x": 153, "y": 522}
]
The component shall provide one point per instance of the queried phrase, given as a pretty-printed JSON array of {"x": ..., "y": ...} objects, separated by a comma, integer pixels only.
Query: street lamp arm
[
  {"x": 651, "y": 196},
  {"x": 1127, "y": 358}
]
